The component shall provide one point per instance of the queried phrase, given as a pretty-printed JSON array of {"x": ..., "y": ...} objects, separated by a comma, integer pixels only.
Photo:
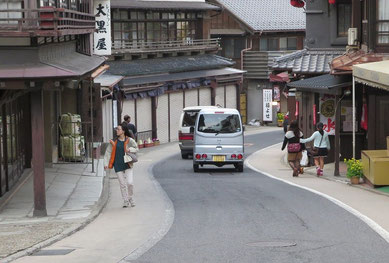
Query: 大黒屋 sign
[
  {"x": 267, "y": 105},
  {"x": 102, "y": 36}
]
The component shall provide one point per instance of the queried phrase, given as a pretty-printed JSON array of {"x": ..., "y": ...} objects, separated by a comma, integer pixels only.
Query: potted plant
[
  {"x": 280, "y": 119},
  {"x": 354, "y": 170},
  {"x": 156, "y": 141}
]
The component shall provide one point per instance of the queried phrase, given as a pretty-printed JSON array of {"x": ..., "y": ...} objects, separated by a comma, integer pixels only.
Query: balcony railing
[
  {"x": 165, "y": 46},
  {"x": 47, "y": 21}
]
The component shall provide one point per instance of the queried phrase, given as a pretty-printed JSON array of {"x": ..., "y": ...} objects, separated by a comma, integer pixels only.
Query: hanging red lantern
[
  {"x": 297, "y": 3},
  {"x": 332, "y": 2}
]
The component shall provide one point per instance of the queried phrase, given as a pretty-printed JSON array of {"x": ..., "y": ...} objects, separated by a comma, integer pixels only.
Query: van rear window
[
  {"x": 189, "y": 119},
  {"x": 219, "y": 123}
]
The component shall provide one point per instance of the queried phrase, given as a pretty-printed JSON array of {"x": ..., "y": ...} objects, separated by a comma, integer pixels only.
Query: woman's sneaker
[
  {"x": 321, "y": 172},
  {"x": 132, "y": 202},
  {"x": 317, "y": 171},
  {"x": 126, "y": 204}
]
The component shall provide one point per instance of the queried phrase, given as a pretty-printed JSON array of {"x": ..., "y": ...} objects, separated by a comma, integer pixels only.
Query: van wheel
[
  {"x": 184, "y": 155},
  {"x": 239, "y": 167},
  {"x": 196, "y": 168}
]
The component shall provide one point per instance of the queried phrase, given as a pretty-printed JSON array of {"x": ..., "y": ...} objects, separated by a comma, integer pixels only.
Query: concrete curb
[
  {"x": 101, "y": 203},
  {"x": 167, "y": 222}
]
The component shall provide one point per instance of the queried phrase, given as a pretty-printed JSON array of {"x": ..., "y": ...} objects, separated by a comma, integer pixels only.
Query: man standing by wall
[{"x": 130, "y": 126}]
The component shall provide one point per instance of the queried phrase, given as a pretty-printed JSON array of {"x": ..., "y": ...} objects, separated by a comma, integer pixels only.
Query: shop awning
[
  {"x": 181, "y": 76},
  {"x": 281, "y": 77},
  {"x": 344, "y": 64},
  {"x": 59, "y": 61},
  {"x": 107, "y": 80},
  {"x": 374, "y": 74},
  {"x": 326, "y": 84}
]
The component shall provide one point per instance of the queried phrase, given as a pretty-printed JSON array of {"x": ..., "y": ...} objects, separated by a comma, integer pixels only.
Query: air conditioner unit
[{"x": 352, "y": 36}]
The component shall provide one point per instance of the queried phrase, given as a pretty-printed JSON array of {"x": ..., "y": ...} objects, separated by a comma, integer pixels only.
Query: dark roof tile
[{"x": 167, "y": 65}]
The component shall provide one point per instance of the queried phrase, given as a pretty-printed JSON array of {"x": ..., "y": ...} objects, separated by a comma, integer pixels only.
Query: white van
[
  {"x": 185, "y": 132},
  {"x": 218, "y": 139}
]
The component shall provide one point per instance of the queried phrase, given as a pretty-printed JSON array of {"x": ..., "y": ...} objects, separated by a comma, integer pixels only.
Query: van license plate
[{"x": 219, "y": 158}]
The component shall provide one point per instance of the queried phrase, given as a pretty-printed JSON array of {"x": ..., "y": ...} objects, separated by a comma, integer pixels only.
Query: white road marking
[{"x": 372, "y": 224}]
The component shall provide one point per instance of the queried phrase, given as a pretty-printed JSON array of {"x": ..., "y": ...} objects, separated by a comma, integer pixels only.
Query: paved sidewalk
[
  {"x": 72, "y": 200},
  {"x": 120, "y": 234},
  {"x": 369, "y": 205}
]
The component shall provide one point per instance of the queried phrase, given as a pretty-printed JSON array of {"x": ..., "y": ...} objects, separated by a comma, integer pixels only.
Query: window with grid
[
  {"x": 139, "y": 27},
  {"x": 344, "y": 18},
  {"x": 383, "y": 22}
]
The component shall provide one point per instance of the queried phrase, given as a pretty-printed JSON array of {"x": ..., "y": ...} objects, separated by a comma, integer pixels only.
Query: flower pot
[
  {"x": 147, "y": 145},
  {"x": 140, "y": 146},
  {"x": 156, "y": 143},
  {"x": 354, "y": 180},
  {"x": 279, "y": 122}
]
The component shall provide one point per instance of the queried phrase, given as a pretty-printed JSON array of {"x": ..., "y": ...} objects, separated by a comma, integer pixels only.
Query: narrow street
[{"x": 224, "y": 216}]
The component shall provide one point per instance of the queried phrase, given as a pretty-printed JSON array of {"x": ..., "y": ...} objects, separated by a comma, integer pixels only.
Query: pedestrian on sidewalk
[
  {"x": 321, "y": 145},
  {"x": 292, "y": 139},
  {"x": 286, "y": 122},
  {"x": 114, "y": 158}
]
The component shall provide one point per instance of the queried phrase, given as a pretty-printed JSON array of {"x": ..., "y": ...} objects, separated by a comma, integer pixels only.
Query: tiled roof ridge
[
  {"x": 310, "y": 51},
  {"x": 287, "y": 19}
]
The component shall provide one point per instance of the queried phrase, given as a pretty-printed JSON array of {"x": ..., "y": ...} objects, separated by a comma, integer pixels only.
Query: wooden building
[
  {"x": 367, "y": 60},
  {"x": 46, "y": 63},
  {"x": 253, "y": 33},
  {"x": 369, "y": 44}
]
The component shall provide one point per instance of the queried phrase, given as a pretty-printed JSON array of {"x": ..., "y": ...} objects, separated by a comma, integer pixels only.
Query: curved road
[{"x": 224, "y": 216}]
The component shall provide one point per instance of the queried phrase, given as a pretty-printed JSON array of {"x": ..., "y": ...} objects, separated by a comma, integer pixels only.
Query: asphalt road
[{"x": 225, "y": 216}]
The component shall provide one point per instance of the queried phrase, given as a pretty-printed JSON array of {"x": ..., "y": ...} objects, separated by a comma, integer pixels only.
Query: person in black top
[
  {"x": 292, "y": 139},
  {"x": 130, "y": 126},
  {"x": 286, "y": 123}
]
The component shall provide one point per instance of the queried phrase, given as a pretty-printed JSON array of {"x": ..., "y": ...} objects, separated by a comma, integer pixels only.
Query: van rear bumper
[{"x": 202, "y": 162}]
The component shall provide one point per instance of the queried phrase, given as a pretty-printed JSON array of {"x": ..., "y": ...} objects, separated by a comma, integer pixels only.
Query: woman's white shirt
[{"x": 316, "y": 138}]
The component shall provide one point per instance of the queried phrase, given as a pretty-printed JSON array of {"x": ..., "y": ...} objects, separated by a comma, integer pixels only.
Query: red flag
[
  {"x": 297, "y": 3},
  {"x": 364, "y": 117}
]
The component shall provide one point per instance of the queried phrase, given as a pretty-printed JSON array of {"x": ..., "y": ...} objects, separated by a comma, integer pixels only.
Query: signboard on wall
[
  {"x": 267, "y": 105},
  {"x": 115, "y": 113},
  {"x": 102, "y": 36},
  {"x": 327, "y": 113}
]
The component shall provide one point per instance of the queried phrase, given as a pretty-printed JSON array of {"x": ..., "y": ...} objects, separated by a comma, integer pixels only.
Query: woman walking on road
[
  {"x": 321, "y": 145},
  {"x": 292, "y": 139},
  {"x": 114, "y": 158}
]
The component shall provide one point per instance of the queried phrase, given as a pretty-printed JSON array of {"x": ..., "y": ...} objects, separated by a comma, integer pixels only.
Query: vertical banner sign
[
  {"x": 314, "y": 114},
  {"x": 267, "y": 105},
  {"x": 102, "y": 36},
  {"x": 327, "y": 113}
]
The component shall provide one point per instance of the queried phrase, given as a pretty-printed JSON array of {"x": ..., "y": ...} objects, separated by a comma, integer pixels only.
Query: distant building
[
  {"x": 253, "y": 33},
  {"x": 167, "y": 60}
]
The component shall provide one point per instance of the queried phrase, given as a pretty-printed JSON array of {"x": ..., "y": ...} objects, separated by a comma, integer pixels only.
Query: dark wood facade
[{"x": 29, "y": 100}]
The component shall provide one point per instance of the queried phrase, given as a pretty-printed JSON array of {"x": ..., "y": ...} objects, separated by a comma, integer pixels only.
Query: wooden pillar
[
  {"x": 213, "y": 92},
  {"x": 337, "y": 136},
  {"x": 371, "y": 121},
  {"x": 38, "y": 154},
  {"x": 154, "y": 116}
]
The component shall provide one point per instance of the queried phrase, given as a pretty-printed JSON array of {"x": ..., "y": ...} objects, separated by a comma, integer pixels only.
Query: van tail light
[
  {"x": 233, "y": 156},
  {"x": 204, "y": 156},
  {"x": 185, "y": 136},
  {"x": 198, "y": 156},
  {"x": 240, "y": 156}
]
